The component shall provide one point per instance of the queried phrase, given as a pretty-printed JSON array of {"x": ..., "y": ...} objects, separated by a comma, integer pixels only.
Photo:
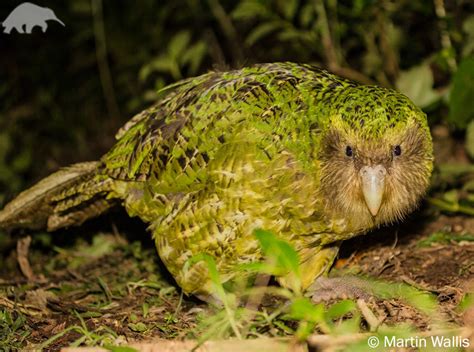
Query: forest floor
[{"x": 106, "y": 290}]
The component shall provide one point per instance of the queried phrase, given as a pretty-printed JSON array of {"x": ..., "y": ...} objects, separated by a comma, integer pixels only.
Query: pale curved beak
[{"x": 373, "y": 186}]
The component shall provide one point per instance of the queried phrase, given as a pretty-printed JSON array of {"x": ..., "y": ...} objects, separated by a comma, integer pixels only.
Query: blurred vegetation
[
  {"x": 348, "y": 322},
  {"x": 64, "y": 93}
]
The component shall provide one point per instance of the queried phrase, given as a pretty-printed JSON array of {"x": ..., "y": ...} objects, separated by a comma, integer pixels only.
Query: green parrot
[{"x": 289, "y": 148}]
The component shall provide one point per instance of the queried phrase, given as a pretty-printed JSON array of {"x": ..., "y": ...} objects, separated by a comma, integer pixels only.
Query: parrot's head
[{"x": 376, "y": 155}]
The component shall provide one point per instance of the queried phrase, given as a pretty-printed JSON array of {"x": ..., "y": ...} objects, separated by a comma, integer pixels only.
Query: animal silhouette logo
[{"x": 26, "y": 16}]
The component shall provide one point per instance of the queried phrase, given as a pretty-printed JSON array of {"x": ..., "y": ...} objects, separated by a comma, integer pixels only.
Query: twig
[
  {"x": 102, "y": 63},
  {"x": 333, "y": 22},
  {"x": 215, "y": 50},
  {"x": 330, "y": 53},
  {"x": 332, "y": 59},
  {"x": 369, "y": 316},
  {"x": 254, "y": 300},
  {"x": 228, "y": 28},
  {"x": 352, "y": 75},
  {"x": 23, "y": 308},
  {"x": 180, "y": 302},
  {"x": 418, "y": 285},
  {"x": 22, "y": 249}
]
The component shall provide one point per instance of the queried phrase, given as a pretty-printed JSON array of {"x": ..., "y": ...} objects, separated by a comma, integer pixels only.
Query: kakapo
[{"x": 289, "y": 148}]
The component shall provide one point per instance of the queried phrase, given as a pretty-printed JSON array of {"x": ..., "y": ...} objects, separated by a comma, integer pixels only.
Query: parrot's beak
[{"x": 373, "y": 184}]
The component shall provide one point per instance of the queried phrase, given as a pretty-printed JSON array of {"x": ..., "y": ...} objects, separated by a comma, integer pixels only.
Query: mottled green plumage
[{"x": 228, "y": 152}]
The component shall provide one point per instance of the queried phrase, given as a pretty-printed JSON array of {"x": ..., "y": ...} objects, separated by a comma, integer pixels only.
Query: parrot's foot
[{"x": 326, "y": 289}]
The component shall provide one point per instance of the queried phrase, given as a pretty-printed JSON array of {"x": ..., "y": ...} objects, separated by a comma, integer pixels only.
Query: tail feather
[
  {"x": 67, "y": 197},
  {"x": 76, "y": 216}
]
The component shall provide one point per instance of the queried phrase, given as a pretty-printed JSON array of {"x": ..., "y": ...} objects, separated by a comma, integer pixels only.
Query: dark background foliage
[{"x": 65, "y": 92}]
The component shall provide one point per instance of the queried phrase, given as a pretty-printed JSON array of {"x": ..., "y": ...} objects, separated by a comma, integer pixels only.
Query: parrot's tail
[{"x": 68, "y": 197}]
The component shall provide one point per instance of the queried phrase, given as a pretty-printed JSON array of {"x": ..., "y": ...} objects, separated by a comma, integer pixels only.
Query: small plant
[
  {"x": 13, "y": 332},
  {"x": 347, "y": 321}
]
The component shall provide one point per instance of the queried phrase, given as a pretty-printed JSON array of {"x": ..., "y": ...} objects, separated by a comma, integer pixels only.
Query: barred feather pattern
[{"x": 225, "y": 153}]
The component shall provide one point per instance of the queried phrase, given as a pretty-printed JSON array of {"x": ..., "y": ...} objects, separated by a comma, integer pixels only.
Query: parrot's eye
[
  {"x": 397, "y": 151},
  {"x": 349, "y": 151}
]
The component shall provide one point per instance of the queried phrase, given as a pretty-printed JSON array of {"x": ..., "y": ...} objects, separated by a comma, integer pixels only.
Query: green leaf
[
  {"x": 348, "y": 326},
  {"x": 461, "y": 108},
  {"x": 23, "y": 161},
  {"x": 445, "y": 237},
  {"x": 423, "y": 301},
  {"x": 306, "y": 15},
  {"x": 261, "y": 31},
  {"x": 340, "y": 309},
  {"x": 451, "y": 196},
  {"x": 178, "y": 44},
  {"x": 417, "y": 84},
  {"x": 455, "y": 169},
  {"x": 303, "y": 309},
  {"x": 137, "y": 327},
  {"x": 194, "y": 56},
  {"x": 292, "y": 35},
  {"x": 467, "y": 302},
  {"x": 468, "y": 43},
  {"x": 282, "y": 255},
  {"x": 145, "y": 309},
  {"x": 359, "y": 6},
  {"x": 160, "y": 64},
  {"x": 288, "y": 8},
  {"x": 249, "y": 9}
]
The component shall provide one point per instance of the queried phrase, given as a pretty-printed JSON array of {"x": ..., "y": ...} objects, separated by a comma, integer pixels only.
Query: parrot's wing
[
  {"x": 192, "y": 109},
  {"x": 165, "y": 95},
  {"x": 145, "y": 140}
]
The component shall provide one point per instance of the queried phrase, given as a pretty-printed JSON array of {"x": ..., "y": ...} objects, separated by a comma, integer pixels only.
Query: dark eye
[
  {"x": 397, "y": 151},
  {"x": 349, "y": 151}
]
